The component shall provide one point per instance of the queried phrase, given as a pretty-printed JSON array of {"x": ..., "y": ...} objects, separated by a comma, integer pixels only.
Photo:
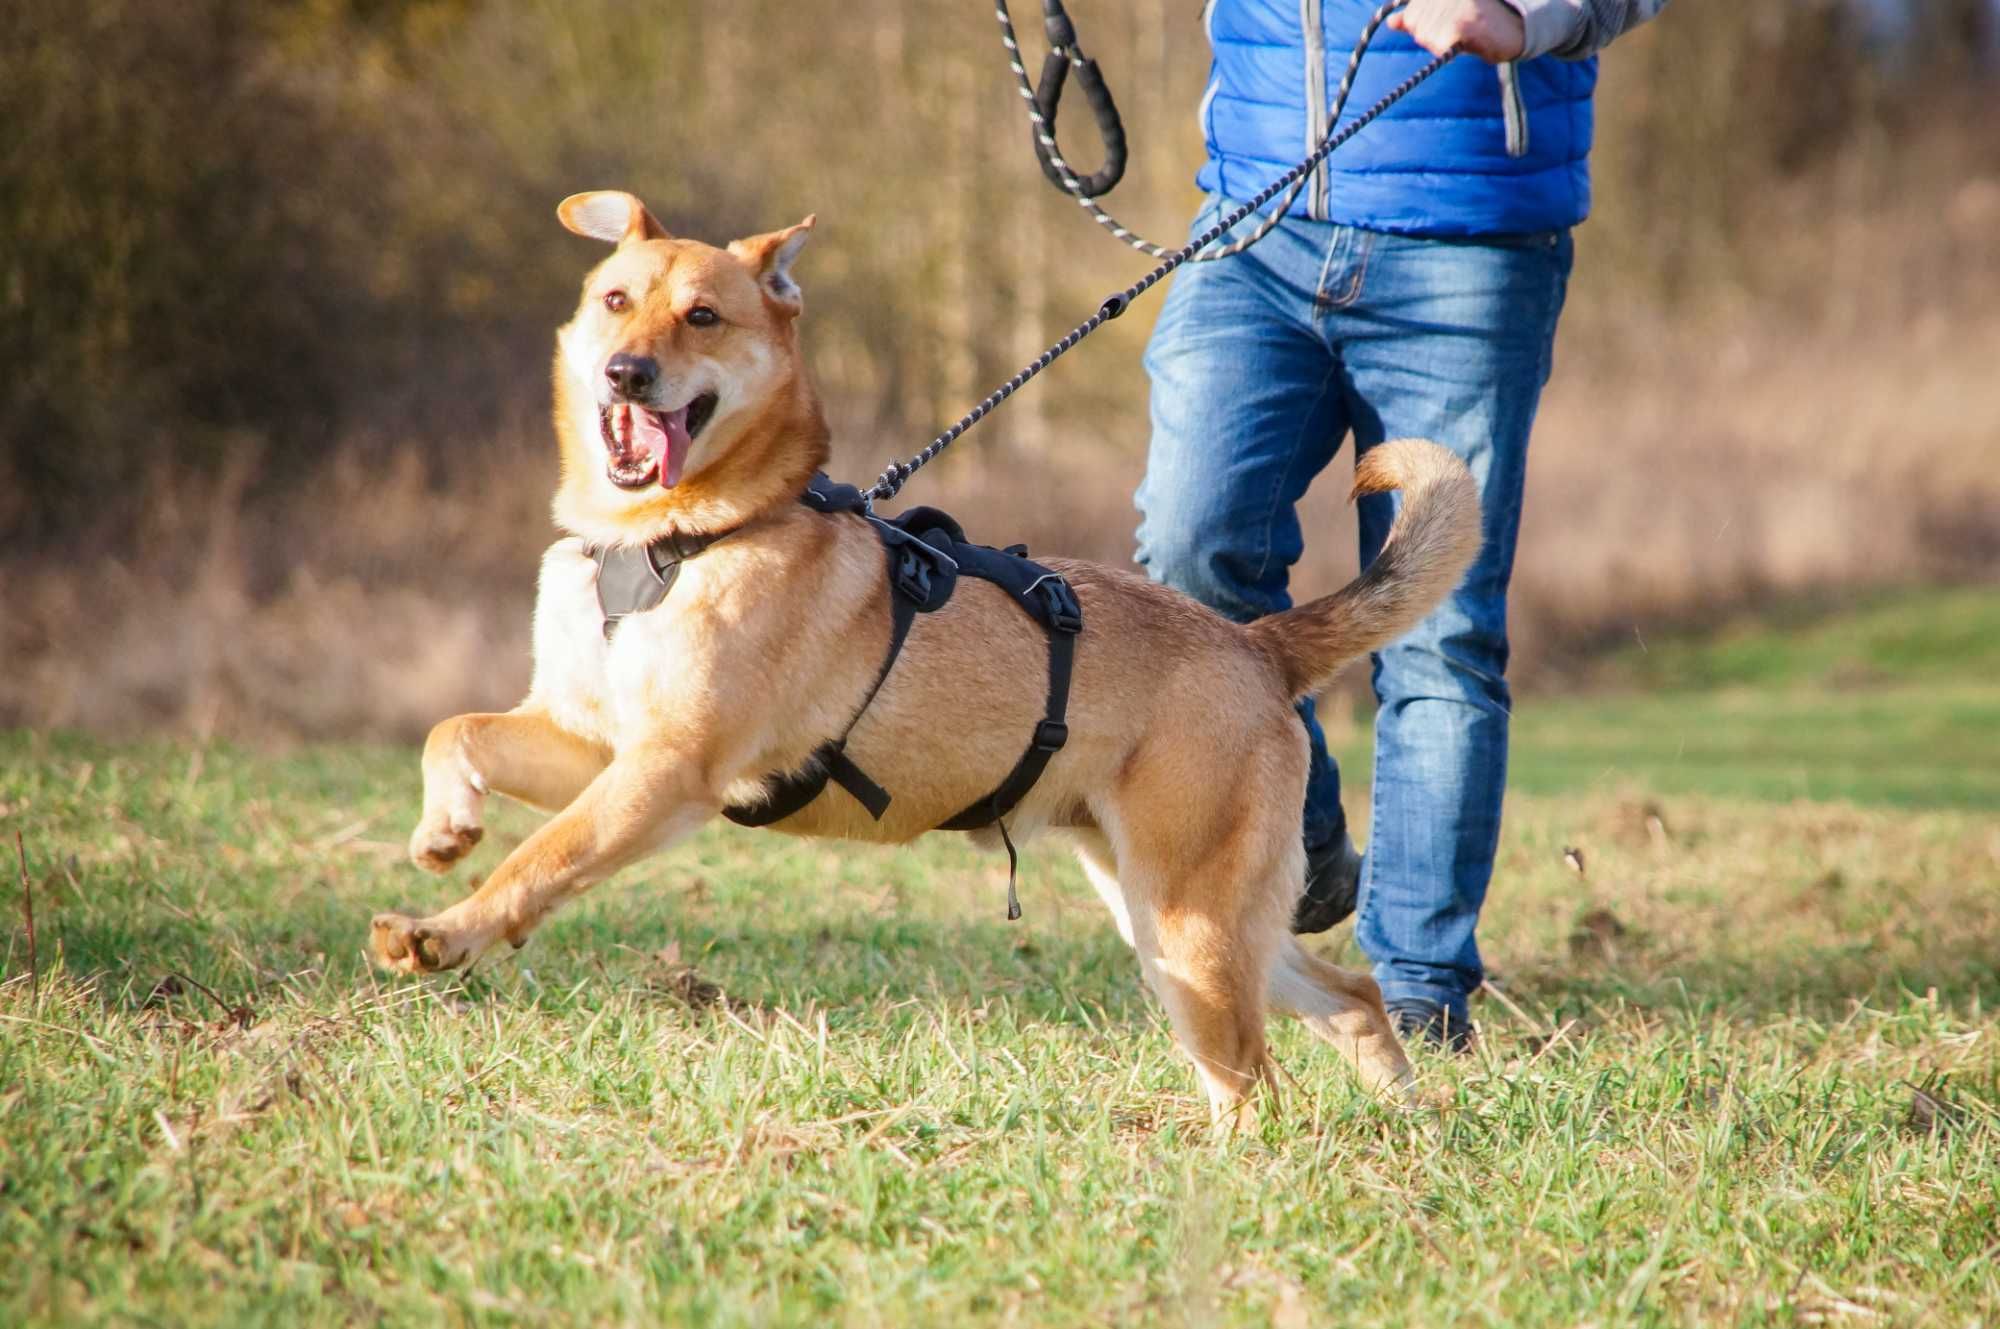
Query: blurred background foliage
[{"x": 278, "y": 278}]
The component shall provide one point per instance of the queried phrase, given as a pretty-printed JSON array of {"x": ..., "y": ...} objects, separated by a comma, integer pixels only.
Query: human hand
[{"x": 1489, "y": 29}]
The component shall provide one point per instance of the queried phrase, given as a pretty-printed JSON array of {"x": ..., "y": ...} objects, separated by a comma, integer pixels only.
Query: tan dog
[{"x": 683, "y": 406}]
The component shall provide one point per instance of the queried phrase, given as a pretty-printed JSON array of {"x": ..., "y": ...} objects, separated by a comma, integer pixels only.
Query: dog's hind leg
[
  {"x": 1197, "y": 878},
  {"x": 1342, "y": 1008},
  {"x": 522, "y": 754},
  {"x": 640, "y": 803},
  {"x": 1204, "y": 937},
  {"x": 1199, "y": 1001},
  {"x": 1207, "y": 976}
]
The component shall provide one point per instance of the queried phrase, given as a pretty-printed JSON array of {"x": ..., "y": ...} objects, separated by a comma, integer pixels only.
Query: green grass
[
  {"x": 1894, "y": 701},
  {"x": 1876, "y": 640},
  {"x": 1746, "y": 1069}
]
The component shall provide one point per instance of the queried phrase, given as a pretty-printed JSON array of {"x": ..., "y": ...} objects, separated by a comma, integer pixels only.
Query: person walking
[{"x": 1412, "y": 289}]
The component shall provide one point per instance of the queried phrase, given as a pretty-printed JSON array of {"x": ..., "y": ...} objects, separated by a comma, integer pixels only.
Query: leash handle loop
[
  {"x": 1064, "y": 176},
  {"x": 1110, "y": 128},
  {"x": 1065, "y": 53}
]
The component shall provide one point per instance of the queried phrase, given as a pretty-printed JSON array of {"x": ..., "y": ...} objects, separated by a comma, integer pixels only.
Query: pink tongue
[{"x": 664, "y": 436}]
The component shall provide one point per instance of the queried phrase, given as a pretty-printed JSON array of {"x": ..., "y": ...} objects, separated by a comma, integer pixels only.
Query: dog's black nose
[{"x": 632, "y": 375}]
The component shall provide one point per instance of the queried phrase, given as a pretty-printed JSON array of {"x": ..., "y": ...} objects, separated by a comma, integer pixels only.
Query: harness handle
[{"x": 1063, "y": 53}]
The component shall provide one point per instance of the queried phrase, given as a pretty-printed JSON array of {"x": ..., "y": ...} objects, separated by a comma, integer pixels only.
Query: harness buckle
[
  {"x": 1065, "y": 615},
  {"x": 913, "y": 575},
  {"x": 917, "y": 563},
  {"x": 1050, "y": 735}
]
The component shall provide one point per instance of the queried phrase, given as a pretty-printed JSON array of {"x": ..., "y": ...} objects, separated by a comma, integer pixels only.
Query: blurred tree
[
  {"x": 160, "y": 287},
  {"x": 327, "y": 224}
]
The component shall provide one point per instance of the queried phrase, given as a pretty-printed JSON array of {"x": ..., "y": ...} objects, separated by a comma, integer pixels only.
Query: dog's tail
[{"x": 1434, "y": 540}]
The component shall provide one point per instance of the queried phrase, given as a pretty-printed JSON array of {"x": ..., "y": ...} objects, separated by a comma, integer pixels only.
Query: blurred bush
[
  {"x": 1741, "y": 145},
  {"x": 160, "y": 278}
]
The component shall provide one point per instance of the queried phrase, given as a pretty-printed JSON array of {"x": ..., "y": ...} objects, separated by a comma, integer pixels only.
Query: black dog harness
[{"x": 927, "y": 553}]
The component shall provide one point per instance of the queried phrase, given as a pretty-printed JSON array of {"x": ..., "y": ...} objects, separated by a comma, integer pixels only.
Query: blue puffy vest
[{"x": 1437, "y": 163}]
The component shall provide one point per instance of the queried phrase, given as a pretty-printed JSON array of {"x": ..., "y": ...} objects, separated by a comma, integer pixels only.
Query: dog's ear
[
  {"x": 769, "y": 257},
  {"x": 611, "y": 215}
]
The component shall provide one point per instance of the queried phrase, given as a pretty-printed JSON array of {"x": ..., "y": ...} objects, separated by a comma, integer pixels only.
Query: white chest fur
[
  {"x": 657, "y": 664},
  {"x": 571, "y": 655}
]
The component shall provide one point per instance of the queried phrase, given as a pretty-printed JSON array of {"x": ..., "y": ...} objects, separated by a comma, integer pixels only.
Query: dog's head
[{"x": 679, "y": 355}]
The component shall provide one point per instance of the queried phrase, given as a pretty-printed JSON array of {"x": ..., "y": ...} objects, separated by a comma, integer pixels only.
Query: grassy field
[
  {"x": 1744, "y": 1068},
  {"x": 1891, "y": 699}
]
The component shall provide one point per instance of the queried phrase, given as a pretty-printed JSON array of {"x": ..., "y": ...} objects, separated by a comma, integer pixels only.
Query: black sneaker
[
  {"x": 1418, "y": 1021},
  {"x": 1333, "y": 881}
]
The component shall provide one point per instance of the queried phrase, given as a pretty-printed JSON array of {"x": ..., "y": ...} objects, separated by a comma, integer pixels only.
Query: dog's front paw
[
  {"x": 438, "y": 843},
  {"x": 415, "y": 946}
]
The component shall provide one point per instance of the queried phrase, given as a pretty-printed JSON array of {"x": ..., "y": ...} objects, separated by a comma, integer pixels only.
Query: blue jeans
[{"x": 1261, "y": 364}]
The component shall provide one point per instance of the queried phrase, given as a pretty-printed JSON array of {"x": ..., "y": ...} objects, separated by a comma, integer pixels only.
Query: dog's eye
[
  {"x": 702, "y": 316},
  {"x": 617, "y": 301}
]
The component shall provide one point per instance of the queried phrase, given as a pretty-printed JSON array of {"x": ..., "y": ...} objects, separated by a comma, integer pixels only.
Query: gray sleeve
[{"x": 1573, "y": 29}]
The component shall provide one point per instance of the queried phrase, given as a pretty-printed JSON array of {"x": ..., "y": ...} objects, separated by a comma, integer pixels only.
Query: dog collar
[{"x": 632, "y": 580}]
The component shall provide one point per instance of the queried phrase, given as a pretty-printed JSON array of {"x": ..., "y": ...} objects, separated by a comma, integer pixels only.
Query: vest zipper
[
  {"x": 1514, "y": 110},
  {"x": 1205, "y": 112},
  {"x": 1315, "y": 34}
]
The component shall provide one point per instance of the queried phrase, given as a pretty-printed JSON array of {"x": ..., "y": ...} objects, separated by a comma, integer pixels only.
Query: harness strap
[
  {"x": 1063, "y": 618},
  {"x": 841, "y": 769},
  {"x": 829, "y": 762},
  {"x": 1049, "y": 599},
  {"x": 1013, "y": 870}
]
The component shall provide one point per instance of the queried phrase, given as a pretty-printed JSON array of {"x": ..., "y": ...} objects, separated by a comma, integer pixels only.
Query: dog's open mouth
[{"x": 643, "y": 445}]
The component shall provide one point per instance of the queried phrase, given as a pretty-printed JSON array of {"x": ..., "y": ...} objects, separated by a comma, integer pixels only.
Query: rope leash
[{"x": 892, "y": 479}]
